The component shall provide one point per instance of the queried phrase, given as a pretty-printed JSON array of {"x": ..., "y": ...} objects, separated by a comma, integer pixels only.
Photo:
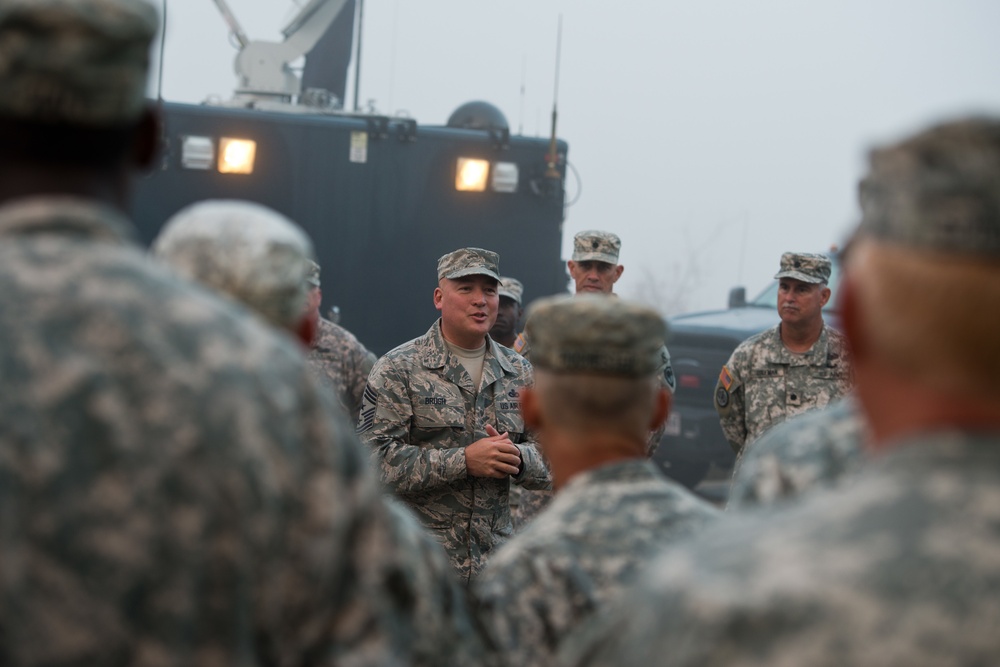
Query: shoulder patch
[
  {"x": 520, "y": 343},
  {"x": 726, "y": 380},
  {"x": 721, "y": 397},
  {"x": 369, "y": 401}
]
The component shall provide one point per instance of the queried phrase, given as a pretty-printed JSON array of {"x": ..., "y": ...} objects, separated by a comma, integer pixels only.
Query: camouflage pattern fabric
[
  {"x": 820, "y": 448},
  {"x": 577, "y": 556},
  {"x": 902, "y": 569},
  {"x": 596, "y": 246},
  {"x": 81, "y": 62},
  {"x": 176, "y": 489},
  {"x": 763, "y": 383},
  {"x": 340, "y": 358},
  {"x": 419, "y": 413}
]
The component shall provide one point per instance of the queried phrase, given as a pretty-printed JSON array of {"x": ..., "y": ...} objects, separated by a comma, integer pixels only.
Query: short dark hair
[{"x": 62, "y": 144}]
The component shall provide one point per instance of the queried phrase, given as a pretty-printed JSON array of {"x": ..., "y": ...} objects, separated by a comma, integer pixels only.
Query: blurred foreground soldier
[
  {"x": 174, "y": 489},
  {"x": 244, "y": 251},
  {"x": 904, "y": 568},
  {"x": 597, "y": 394},
  {"x": 820, "y": 448},
  {"x": 594, "y": 269},
  {"x": 261, "y": 259},
  {"x": 509, "y": 312},
  {"x": 335, "y": 352},
  {"x": 799, "y": 365},
  {"x": 442, "y": 415}
]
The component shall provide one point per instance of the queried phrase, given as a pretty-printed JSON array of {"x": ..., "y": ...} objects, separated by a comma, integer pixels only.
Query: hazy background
[{"x": 711, "y": 135}]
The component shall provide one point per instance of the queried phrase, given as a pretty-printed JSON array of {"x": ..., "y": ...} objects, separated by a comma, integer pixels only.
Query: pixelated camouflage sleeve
[
  {"x": 730, "y": 404},
  {"x": 386, "y": 424}
]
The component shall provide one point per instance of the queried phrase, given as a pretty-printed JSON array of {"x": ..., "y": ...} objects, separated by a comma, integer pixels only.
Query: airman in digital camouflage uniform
[
  {"x": 801, "y": 364},
  {"x": 174, "y": 488},
  {"x": 820, "y": 448},
  {"x": 336, "y": 353},
  {"x": 442, "y": 416},
  {"x": 594, "y": 269},
  {"x": 597, "y": 394},
  {"x": 902, "y": 568}
]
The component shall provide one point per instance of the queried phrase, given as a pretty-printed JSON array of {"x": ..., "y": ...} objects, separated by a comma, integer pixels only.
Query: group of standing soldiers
[{"x": 179, "y": 487}]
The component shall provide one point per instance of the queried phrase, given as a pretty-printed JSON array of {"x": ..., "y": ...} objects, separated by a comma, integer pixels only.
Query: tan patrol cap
[
  {"x": 76, "y": 62},
  {"x": 511, "y": 288},
  {"x": 591, "y": 333},
  {"x": 597, "y": 246},
  {"x": 807, "y": 267},
  {"x": 937, "y": 190},
  {"x": 469, "y": 262}
]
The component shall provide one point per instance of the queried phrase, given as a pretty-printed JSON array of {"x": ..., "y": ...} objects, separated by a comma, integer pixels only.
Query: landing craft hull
[{"x": 378, "y": 198}]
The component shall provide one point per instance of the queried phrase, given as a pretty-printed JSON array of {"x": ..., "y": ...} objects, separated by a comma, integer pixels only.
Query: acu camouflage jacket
[{"x": 420, "y": 412}]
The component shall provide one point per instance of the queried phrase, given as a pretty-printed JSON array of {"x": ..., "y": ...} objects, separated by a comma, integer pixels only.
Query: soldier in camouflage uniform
[
  {"x": 175, "y": 490},
  {"x": 244, "y": 251},
  {"x": 822, "y": 447},
  {"x": 442, "y": 416},
  {"x": 902, "y": 568},
  {"x": 594, "y": 269},
  {"x": 799, "y": 365},
  {"x": 335, "y": 353},
  {"x": 597, "y": 394},
  {"x": 509, "y": 313}
]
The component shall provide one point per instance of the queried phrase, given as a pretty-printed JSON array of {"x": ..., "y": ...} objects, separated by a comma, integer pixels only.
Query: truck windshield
[{"x": 769, "y": 297}]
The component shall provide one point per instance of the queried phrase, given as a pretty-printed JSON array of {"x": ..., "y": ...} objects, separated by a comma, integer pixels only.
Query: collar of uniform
[
  {"x": 777, "y": 353},
  {"x": 435, "y": 352},
  {"x": 64, "y": 215}
]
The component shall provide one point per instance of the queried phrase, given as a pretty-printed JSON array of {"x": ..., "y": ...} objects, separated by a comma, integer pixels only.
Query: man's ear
[
  {"x": 619, "y": 270},
  {"x": 146, "y": 142},
  {"x": 824, "y": 295},
  {"x": 852, "y": 321},
  {"x": 438, "y": 297},
  {"x": 530, "y": 412},
  {"x": 308, "y": 327},
  {"x": 661, "y": 409}
]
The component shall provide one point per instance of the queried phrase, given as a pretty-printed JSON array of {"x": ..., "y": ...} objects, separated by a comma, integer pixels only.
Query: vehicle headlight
[
  {"x": 236, "y": 156},
  {"x": 472, "y": 174}
]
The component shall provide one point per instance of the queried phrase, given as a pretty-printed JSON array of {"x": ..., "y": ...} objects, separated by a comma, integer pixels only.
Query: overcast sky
[{"x": 711, "y": 135}]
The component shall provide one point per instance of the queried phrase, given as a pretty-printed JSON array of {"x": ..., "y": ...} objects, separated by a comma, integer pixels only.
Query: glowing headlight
[
  {"x": 236, "y": 155},
  {"x": 471, "y": 175}
]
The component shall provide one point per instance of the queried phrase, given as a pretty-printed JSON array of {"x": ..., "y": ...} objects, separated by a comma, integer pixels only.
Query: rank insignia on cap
[{"x": 726, "y": 378}]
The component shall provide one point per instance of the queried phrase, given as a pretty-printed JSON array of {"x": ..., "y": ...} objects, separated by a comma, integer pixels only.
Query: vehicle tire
[{"x": 688, "y": 473}]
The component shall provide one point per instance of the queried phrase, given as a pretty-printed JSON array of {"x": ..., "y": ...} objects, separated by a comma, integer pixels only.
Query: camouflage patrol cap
[
  {"x": 937, "y": 190},
  {"x": 511, "y": 288},
  {"x": 469, "y": 262},
  {"x": 807, "y": 267},
  {"x": 312, "y": 273},
  {"x": 593, "y": 334},
  {"x": 595, "y": 245},
  {"x": 244, "y": 250},
  {"x": 78, "y": 62}
]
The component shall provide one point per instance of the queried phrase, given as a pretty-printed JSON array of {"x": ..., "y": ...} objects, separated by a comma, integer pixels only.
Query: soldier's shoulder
[{"x": 836, "y": 337}]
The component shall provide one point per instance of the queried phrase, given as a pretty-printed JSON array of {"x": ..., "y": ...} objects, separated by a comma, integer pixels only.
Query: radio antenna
[{"x": 553, "y": 158}]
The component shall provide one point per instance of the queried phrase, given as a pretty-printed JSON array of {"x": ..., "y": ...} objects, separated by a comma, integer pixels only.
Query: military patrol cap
[
  {"x": 469, "y": 262},
  {"x": 595, "y": 245},
  {"x": 247, "y": 251},
  {"x": 76, "y": 62},
  {"x": 937, "y": 190},
  {"x": 804, "y": 266},
  {"x": 594, "y": 334},
  {"x": 511, "y": 288},
  {"x": 312, "y": 273}
]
